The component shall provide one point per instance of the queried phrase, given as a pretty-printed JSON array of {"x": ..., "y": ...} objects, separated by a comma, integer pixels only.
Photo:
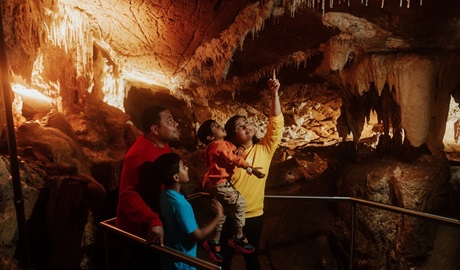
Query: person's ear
[
  {"x": 154, "y": 129},
  {"x": 176, "y": 177}
]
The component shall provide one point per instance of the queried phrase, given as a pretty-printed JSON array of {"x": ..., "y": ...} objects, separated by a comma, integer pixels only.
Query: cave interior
[{"x": 369, "y": 92}]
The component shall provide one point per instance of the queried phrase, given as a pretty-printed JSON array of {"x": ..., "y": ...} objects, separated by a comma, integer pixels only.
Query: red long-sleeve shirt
[
  {"x": 220, "y": 159},
  {"x": 133, "y": 215}
]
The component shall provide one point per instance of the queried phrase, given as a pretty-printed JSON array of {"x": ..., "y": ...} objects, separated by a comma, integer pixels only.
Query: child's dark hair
[
  {"x": 230, "y": 128},
  {"x": 162, "y": 170},
  {"x": 204, "y": 131},
  {"x": 151, "y": 116},
  {"x": 165, "y": 167}
]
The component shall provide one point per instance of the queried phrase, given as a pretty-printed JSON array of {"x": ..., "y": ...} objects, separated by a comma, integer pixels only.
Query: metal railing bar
[
  {"x": 406, "y": 211},
  {"x": 199, "y": 263},
  {"x": 313, "y": 198},
  {"x": 207, "y": 265},
  {"x": 383, "y": 206},
  {"x": 197, "y": 195},
  {"x": 353, "y": 201}
]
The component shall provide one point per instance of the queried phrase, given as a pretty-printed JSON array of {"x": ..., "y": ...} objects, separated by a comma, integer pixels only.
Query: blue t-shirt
[{"x": 178, "y": 223}]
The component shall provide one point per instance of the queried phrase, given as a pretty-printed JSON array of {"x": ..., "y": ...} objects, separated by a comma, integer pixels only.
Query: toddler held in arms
[{"x": 221, "y": 157}]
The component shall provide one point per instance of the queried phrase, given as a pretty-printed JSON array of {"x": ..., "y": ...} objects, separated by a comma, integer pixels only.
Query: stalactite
[
  {"x": 294, "y": 59},
  {"x": 67, "y": 28},
  {"x": 322, "y": 6},
  {"x": 221, "y": 49},
  {"x": 399, "y": 72}
]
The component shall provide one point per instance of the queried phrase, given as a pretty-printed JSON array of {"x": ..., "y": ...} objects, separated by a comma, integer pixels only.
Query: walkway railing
[
  {"x": 109, "y": 226},
  {"x": 355, "y": 201},
  {"x": 201, "y": 264}
]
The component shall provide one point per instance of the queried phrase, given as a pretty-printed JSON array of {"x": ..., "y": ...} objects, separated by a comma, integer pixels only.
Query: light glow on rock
[
  {"x": 452, "y": 134},
  {"x": 33, "y": 98},
  {"x": 67, "y": 27}
]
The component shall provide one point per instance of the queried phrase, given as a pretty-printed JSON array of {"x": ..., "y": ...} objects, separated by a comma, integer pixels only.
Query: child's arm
[
  {"x": 235, "y": 157},
  {"x": 201, "y": 234},
  {"x": 256, "y": 171}
]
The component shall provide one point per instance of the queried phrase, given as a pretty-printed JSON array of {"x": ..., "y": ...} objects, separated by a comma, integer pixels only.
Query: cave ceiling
[
  {"x": 194, "y": 50},
  {"x": 209, "y": 42}
]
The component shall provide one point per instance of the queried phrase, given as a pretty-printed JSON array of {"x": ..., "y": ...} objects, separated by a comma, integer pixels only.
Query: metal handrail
[
  {"x": 382, "y": 206},
  {"x": 197, "y": 195},
  {"x": 207, "y": 265},
  {"x": 199, "y": 263}
]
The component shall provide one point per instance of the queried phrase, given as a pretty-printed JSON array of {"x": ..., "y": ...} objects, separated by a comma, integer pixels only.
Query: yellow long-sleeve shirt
[{"x": 259, "y": 155}]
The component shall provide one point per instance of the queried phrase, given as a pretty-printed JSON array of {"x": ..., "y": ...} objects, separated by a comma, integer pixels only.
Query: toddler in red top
[{"x": 221, "y": 157}]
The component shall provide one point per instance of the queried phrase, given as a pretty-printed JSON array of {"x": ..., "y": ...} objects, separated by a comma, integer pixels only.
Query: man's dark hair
[
  {"x": 204, "y": 131},
  {"x": 151, "y": 116},
  {"x": 230, "y": 128}
]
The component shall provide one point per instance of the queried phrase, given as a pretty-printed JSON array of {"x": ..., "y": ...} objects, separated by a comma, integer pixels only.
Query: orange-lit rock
[{"x": 362, "y": 80}]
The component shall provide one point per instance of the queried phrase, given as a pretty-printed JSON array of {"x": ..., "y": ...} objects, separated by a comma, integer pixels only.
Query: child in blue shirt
[{"x": 180, "y": 226}]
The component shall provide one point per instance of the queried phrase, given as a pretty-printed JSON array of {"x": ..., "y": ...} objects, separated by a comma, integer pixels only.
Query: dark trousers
[
  {"x": 252, "y": 231},
  {"x": 144, "y": 258},
  {"x": 125, "y": 254}
]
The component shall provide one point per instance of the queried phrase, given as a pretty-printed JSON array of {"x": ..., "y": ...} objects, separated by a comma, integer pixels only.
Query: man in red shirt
[{"x": 133, "y": 215}]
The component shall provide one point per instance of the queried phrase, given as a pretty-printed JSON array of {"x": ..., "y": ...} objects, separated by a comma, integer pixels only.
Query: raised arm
[{"x": 274, "y": 85}]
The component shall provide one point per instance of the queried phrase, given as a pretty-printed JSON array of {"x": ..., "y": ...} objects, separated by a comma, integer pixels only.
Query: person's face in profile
[
  {"x": 183, "y": 172},
  {"x": 168, "y": 130}
]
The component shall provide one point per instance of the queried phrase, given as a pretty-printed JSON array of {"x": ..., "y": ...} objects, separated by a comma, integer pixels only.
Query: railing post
[
  {"x": 106, "y": 249},
  {"x": 13, "y": 152},
  {"x": 352, "y": 235}
]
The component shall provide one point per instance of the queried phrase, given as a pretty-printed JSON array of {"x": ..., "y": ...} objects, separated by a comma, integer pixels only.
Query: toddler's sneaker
[
  {"x": 213, "y": 248},
  {"x": 242, "y": 245}
]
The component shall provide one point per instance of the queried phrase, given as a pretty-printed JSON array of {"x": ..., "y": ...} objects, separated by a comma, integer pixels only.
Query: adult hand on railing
[{"x": 155, "y": 236}]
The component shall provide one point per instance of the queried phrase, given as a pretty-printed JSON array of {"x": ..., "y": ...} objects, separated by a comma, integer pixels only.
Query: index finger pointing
[{"x": 274, "y": 74}]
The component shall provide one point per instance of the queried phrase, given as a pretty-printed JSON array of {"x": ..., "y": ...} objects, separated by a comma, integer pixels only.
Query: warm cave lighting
[
  {"x": 452, "y": 133},
  {"x": 68, "y": 29},
  {"x": 32, "y": 98}
]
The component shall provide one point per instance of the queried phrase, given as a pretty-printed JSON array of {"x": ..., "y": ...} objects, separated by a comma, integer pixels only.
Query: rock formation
[{"x": 370, "y": 93}]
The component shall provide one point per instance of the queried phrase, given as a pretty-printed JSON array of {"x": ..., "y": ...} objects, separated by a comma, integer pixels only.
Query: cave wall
[
  {"x": 331, "y": 85},
  {"x": 386, "y": 239}
]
